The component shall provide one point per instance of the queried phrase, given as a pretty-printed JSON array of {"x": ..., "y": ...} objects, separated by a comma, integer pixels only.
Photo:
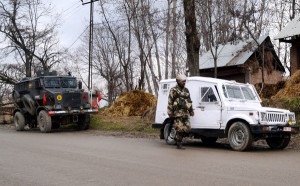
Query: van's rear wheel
[
  {"x": 44, "y": 121},
  {"x": 279, "y": 142},
  {"x": 239, "y": 136},
  {"x": 169, "y": 134},
  {"x": 19, "y": 121}
]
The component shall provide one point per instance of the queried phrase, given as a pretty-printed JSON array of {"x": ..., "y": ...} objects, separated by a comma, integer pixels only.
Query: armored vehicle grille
[{"x": 72, "y": 100}]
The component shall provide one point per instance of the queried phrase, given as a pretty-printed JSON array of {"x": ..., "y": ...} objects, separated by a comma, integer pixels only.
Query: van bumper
[{"x": 274, "y": 129}]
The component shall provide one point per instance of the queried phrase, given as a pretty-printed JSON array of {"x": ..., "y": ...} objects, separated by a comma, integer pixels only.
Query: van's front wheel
[
  {"x": 169, "y": 134},
  {"x": 239, "y": 136}
]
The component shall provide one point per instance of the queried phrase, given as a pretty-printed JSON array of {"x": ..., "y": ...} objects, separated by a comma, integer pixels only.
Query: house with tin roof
[
  {"x": 291, "y": 34},
  {"x": 253, "y": 61}
]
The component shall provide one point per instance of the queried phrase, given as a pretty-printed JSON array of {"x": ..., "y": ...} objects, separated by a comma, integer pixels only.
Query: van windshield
[{"x": 239, "y": 92}]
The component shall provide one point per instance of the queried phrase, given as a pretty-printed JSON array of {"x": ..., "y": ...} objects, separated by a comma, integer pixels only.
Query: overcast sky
[{"x": 74, "y": 20}]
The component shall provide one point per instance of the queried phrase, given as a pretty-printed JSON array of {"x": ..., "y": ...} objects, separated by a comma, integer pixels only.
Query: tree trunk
[
  {"x": 192, "y": 39},
  {"x": 167, "y": 42},
  {"x": 174, "y": 38}
]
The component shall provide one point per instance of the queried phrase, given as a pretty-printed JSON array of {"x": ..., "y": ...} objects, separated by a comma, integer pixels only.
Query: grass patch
[{"x": 124, "y": 123}]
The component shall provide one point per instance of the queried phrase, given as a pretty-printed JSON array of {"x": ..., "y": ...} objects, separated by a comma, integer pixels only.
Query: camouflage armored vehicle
[{"x": 49, "y": 101}]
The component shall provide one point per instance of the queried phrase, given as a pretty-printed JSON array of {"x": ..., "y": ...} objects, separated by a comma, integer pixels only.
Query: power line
[
  {"x": 77, "y": 38},
  {"x": 115, "y": 21}
]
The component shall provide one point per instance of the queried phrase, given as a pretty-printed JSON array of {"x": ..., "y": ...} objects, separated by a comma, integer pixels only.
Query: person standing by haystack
[{"x": 180, "y": 109}]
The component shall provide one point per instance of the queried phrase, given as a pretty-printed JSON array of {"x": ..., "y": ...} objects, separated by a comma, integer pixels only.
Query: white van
[{"x": 227, "y": 109}]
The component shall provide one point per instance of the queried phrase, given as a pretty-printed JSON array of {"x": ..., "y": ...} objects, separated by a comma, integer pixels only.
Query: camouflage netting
[
  {"x": 133, "y": 103},
  {"x": 291, "y": 89}
]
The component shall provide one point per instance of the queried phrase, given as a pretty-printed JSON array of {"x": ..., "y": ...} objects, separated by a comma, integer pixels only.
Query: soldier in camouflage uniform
[{"x": 180, "y": 108}]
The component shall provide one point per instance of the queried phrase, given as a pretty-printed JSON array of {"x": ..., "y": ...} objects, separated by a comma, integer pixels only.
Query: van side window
[
  {"x": 165, "y": 87},
  {"x": 207, "y": 95}
]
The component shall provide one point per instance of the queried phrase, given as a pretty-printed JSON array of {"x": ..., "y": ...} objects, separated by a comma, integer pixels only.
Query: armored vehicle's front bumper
[
  {"x": 274, "y": 129},
  {"x": 72, "y": 112}
]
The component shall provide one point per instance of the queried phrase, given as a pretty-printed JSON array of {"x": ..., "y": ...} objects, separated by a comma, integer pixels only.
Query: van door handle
[{"x": 202, "y": 107}]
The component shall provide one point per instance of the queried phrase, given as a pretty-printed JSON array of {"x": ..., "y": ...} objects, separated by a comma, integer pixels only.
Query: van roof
[{"x": 205, "y": 79}]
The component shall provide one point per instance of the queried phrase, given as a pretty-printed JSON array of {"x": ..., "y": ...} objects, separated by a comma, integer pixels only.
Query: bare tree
[
  {"x": 192, "y": 39},
  {"x": 121, "y": 43},
  {"x": 26, "y": 35},
  {"x": 106, "y": 62}
]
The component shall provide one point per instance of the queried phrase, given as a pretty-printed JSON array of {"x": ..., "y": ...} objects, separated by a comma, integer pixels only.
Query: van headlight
[
  {"x": 291, "y": 118},
  {"x": 262, "y": 117}
]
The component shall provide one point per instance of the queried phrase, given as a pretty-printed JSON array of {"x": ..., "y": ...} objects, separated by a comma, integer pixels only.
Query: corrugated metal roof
[
  {"x": 231, "y": 54},
  {"x": 291, "y": 29}
]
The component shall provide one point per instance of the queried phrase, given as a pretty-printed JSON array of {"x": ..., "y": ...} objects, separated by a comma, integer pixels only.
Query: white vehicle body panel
[{"x": 214, "y": 109}]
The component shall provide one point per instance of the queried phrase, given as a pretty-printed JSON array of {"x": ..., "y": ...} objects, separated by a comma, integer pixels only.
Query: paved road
[{"x": 85, "y": 158}]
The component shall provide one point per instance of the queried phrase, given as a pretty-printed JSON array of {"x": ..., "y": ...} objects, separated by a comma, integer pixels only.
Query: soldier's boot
[{"x": 179, "y": 140}]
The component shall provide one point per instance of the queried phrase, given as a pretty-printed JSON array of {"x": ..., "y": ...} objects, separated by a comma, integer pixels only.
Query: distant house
[
  {"x": 243, "y": 62},
  {"x": 291, "y": 34}
]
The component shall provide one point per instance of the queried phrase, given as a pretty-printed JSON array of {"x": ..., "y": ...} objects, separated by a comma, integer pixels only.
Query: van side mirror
[{"x": 80, "y": 85}]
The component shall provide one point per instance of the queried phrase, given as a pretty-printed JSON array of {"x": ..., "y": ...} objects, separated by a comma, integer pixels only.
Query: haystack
[
  {"x": 291, "y": 89},
  {"x": 133, "y": 103}
]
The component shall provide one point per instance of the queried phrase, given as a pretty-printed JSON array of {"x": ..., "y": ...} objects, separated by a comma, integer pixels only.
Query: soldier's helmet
[{"x": 180, "y": 77}]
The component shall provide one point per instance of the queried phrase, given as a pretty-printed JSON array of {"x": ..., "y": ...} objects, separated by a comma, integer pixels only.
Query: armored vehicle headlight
[
  {"x": 87, "y": 105},
  {"x": 58, "y": 106}
]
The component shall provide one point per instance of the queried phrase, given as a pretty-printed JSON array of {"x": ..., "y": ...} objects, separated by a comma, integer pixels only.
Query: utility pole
[{"x": 90, "y": 41}]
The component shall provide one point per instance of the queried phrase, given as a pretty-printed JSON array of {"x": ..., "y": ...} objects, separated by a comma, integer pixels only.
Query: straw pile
[
  {"x": 291, "y": 89},
  {"x": 133, "y": 103}
]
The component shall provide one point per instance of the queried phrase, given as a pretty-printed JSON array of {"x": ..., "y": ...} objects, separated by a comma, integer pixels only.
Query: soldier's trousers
[{"x": 182, "y": 125}]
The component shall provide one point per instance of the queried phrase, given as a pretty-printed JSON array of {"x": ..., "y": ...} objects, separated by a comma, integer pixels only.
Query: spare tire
[
  {"x": 16, "y": 96},
  {"x": 28, "y": 104}
]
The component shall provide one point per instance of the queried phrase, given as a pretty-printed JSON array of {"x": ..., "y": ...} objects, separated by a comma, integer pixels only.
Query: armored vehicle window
[
  {"x": 52, "y": 82},
  {"x": 68, "y": 83}
]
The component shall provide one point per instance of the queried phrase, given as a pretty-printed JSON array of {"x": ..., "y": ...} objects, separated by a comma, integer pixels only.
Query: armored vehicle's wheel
[
  {"x": 44, "y": 121},
  {"x": 169, "y": 134},
  {"x": 28, "y": 104},
  {"x": 279, "y": 142},
  {"x": 83, "y": 122},
  {"x": 19, "y": 121},
  {"x": 239, "y": 136},
  {"x": 208, "y": 140}
]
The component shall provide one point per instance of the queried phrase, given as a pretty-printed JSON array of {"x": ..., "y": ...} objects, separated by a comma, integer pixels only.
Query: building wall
[
  {"x": 271, "y": 78},
  {"x": 247, "y": 76},
  {"x": 293, "y": 59},
  {"x": 295, "y": 55}
]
